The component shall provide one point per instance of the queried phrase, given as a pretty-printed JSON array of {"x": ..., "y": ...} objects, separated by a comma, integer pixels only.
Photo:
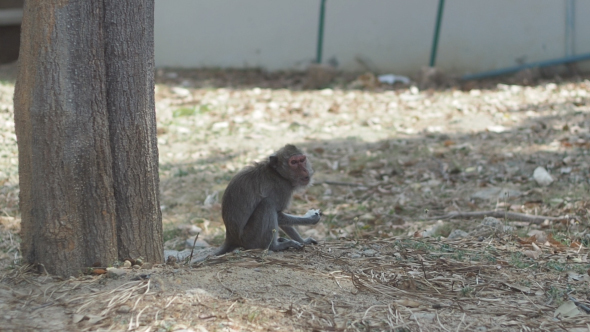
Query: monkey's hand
[{"x": 314, "y": 215}]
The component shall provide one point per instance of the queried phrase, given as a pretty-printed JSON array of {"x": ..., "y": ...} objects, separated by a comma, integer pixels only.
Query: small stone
[
  {"x": 423, "y": 316},
  {"x": 508, "y": 229},
  {"x": 355, "y": 255},
  {"x": 191, "y": 229},
  {"x": 431, "y": 77},
  {"x": 457, "y": 234},
  {"x": 319, "y": 76},
  {"x": 127, "y": 264},
  {"x": 136, "y": 267},
  {"x": 198, "y": 292},
  {"x": 124, "y": 309},
  {"x": 199, "y": 244},
  {"x": 171, "y": 260},
  {"x": 370, "y": 252},
  {"x": 115, "y": 273},
  {"x": 494, "y": 223},
  {"x": 367, "y": 217},
  {"x": 340, "y": 323},
  {"x": 542, "y": 177},
  {"x": 495, "y": 193},
  {"x": 147, "y": 266}
]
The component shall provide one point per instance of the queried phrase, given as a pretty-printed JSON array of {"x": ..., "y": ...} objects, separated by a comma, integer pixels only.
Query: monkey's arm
[
  {"x": 312, "y": 217},
  {"x": 286, "y": 221}
]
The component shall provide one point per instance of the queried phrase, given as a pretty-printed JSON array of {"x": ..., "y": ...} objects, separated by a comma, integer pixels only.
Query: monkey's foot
[
  {"x": 314, "y": 214},
  {"x": 283, "y": 243},
  {"x": 310, "y": 240}
]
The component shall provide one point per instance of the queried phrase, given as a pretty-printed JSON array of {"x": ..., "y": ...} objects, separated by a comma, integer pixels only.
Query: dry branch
[
  {"x": 346, "y": 184},
  {"x": 502, "y": 214}
]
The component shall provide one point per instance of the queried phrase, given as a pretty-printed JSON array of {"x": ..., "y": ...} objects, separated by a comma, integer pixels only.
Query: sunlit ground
[{"x": 387, "y": 161}]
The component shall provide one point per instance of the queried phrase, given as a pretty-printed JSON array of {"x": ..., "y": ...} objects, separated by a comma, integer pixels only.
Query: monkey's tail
[{"x": 224, "y": 249}]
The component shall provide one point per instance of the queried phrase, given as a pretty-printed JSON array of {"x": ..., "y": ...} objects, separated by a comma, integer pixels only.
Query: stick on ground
[{"x": 502, "y": 214}]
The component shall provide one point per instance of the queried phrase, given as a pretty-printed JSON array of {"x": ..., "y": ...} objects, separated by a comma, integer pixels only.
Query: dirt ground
[{"x": 398, "y": 170}]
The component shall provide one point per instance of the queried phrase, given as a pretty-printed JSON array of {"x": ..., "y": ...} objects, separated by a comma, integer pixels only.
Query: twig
[
  {"x": 415, "y": 318},
  {"x": 193, "y": 248},
  {"x": 462, "y": 319},
  {"x": 579, "y": 304},
  {"x": 222, "y": 284},
  {"x": 348, "y": 184},
  {"x": 439, "y": 323},
  {"x": 502, "y": 214}
]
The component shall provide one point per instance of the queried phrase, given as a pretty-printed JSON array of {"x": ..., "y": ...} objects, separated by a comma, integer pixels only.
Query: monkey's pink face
[{"x": 301, "y": 169}]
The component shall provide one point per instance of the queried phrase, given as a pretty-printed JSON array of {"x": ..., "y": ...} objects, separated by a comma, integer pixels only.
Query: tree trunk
[
  {"x": 85, "y": 123},
  {"x": 129, "y": 52}
]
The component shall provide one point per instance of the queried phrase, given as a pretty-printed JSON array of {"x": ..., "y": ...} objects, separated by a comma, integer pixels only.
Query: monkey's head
[{"x": 292, "y": 165}]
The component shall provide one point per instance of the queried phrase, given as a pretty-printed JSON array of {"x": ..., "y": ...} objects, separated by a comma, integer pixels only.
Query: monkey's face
[{"x": 301, "y": 170}]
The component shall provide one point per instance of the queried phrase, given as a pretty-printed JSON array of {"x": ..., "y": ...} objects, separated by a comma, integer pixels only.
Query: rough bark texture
[
  {"x": 72, "y": 85},
  {"x": 129, "y": 52}
]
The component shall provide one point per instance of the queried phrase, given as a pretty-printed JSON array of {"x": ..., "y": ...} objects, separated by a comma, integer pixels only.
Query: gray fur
[{"x": 255, "y": 198}]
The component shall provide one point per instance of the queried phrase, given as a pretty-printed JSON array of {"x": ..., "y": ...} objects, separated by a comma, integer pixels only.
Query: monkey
[{"x": 253, "y": 204}]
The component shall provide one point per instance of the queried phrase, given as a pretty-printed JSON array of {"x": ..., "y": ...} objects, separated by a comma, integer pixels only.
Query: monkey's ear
[{"x": 273, "y": 161}]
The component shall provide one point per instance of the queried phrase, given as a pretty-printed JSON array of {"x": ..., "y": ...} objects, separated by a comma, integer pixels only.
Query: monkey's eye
[{"x": 293, "y": 162}]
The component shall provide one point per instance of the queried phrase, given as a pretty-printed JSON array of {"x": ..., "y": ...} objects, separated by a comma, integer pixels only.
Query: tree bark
[
  {"x": 129, "y": 50},
  {"x": 85, "y": 124}
]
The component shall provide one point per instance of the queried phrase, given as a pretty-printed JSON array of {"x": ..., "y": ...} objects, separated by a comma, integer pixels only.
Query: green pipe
[
  {"x": 441, "y": 5},
  {"x": 318, "y": 57}
]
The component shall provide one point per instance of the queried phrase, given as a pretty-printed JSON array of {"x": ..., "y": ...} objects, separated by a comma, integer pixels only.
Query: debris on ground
[{"x": 446, "y": 207}]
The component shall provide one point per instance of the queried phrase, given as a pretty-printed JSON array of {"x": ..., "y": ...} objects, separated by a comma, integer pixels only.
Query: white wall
[
  {"x": 391, "y": 35},
  {"x": 272, "y": 34}
]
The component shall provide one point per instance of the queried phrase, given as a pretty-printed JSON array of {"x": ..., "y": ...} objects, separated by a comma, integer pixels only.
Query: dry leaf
[
  {"x": 408, "y": 303},
  {"x": 518, "y": 288},
  {"x": 534, "y": 254},
  {"x": 567, "y": 310},
  {"x": 529, "y": 240},
  {"x": 93, "y": 319},
  {"x": 449, "y": 142},
  {"x": 554, "y": 242}
]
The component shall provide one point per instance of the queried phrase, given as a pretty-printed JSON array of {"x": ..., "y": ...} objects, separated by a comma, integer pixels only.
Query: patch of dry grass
[{"x": 387, "y": 160}]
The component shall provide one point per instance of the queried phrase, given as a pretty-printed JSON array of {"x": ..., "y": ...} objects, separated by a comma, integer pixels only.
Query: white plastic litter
[
  {"x": 391, "y": 79},
  {"x": 542, "y": 177}
]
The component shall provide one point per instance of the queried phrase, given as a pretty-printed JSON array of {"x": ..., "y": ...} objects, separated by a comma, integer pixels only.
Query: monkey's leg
[
  {"x": 286, "y": 221},
  {"x": 293, "y": 234},
  {"x": 258, "y": 233}
]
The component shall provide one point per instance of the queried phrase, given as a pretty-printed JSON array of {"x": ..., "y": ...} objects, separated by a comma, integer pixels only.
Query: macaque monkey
[{"x": 253, "y": 203}]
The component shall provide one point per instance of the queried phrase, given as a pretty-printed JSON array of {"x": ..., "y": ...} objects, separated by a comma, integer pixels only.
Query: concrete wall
[
  {"x": 273, "y": 34},
  {"x": 392, "y": 36}
]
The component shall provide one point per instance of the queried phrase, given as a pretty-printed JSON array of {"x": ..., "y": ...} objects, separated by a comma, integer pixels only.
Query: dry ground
[{"x": 388, "y": 161}]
